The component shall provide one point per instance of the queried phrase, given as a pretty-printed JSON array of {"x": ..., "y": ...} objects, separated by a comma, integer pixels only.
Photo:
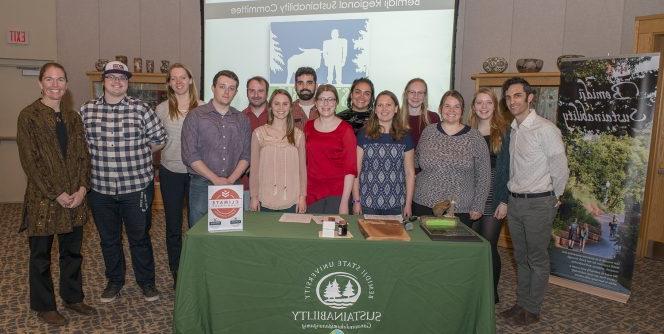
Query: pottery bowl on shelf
[
  {"x": 495, "y": 65},
  {"x": 566, "y": 57},
  {"x": 529, "y": 65}
]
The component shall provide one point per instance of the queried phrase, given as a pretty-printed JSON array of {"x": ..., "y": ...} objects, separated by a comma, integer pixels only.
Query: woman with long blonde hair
[
  {"x": 278, "y": 181},
  {"x": 415, "y": 104},
  {"x": 173, "y": 177},
  {"x": 492, "y": 125}
]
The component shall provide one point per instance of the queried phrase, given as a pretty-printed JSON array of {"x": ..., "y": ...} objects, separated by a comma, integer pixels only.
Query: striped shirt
[{"x": 119, "y": 138}]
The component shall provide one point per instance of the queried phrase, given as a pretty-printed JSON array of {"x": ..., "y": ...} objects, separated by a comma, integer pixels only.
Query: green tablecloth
[{"x": 281, "y": 278}]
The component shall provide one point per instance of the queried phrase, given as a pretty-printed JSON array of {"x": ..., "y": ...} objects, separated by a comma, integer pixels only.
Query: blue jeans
[
  {"x": 132, "y": 210},
  {"x": 174, "y": 189},
  {"x": 198, "y": 198}
]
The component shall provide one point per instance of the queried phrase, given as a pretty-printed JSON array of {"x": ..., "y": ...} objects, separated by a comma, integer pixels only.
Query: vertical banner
[{"x": 605, "y": 112}]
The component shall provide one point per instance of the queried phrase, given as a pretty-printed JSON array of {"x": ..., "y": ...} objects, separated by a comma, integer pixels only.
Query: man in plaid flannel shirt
[{"x": 122, "y": 133}]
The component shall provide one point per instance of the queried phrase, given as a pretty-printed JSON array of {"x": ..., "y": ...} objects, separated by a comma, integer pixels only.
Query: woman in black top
[{"x": 359, "y": 102}]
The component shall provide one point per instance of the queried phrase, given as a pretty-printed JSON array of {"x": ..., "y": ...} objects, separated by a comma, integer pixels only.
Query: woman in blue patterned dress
[{"x": 385, "y": 161}]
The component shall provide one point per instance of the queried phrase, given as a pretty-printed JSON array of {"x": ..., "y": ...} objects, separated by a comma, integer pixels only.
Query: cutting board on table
[{"x": 382, "y": 229}]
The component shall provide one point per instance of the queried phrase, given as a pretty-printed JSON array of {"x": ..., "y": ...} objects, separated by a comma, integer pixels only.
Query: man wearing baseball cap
[{"x": 122, "y": 133}]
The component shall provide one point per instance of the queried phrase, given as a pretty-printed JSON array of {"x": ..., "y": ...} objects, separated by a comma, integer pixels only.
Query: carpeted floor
[{"x": 565, "y": 311}]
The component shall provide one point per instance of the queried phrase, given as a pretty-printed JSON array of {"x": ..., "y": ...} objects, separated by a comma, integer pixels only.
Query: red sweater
[
  {"x": 416, "y": 125},
  {"x": 330, "y": 157}
]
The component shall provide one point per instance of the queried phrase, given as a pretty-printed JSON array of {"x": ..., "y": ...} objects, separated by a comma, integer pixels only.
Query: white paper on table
[
  {"x": 302, "y": 218},
  {"x": 328, "y": 229},
  {"x": 385, "y": 217},
  {"x": 319, "y": 219}
]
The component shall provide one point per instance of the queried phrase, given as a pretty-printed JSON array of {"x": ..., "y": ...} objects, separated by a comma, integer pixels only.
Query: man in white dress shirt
[{"x": 538, "y": 174}]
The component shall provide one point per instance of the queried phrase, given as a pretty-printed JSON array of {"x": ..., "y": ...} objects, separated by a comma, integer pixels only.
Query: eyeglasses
[
  {"x": 116, "y": 77},
  {"x": 327, "y": 100},
  {"x": 416, "y": 93}
]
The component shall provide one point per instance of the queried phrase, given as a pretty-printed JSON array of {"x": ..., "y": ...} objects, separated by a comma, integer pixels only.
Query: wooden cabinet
[
  {"x": 545, "y": 84},
  {"x": 546, "y": 103},
  {"x": 649, "y": 37},
  {"x": 150, "y": 88}
]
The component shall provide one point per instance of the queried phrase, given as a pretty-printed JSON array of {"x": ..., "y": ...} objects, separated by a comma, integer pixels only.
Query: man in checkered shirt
[{"x": 122, "y": 133}]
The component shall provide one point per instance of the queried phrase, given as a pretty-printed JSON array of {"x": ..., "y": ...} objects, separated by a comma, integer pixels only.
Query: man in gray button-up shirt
[{"x": 216, "y": 143}]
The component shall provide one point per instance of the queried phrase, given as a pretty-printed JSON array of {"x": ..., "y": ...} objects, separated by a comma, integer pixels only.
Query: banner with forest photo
[{"x": 605, "y": 112}]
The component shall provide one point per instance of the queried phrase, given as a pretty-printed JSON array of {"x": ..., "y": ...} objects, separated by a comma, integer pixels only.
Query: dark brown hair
[
  {"x": 67, "y": 100},
  {"x": 451, "y": 93},
  {"x": 398, "y": 129},
  {"x": 46, "y": 66}
]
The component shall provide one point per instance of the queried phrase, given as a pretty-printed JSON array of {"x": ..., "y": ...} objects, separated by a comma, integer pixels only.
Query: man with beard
[
  {"x": 538, "y": 175},
  {"x": 304, "y": 108},
  {"x": 257, "y": 88},
  {"x": 256, "y": 112}
]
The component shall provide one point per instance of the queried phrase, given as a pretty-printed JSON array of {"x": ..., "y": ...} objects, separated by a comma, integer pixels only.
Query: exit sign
[{"x": 17, "y": 37}]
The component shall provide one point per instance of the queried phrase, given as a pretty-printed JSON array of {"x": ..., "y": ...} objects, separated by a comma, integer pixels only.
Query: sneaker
[
  {"x": 150, "y": 293},
  {"x": 111, "y": 292}
]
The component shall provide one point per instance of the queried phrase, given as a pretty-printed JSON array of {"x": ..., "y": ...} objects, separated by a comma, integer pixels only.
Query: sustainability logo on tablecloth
[{"x": 346, "y": 291}]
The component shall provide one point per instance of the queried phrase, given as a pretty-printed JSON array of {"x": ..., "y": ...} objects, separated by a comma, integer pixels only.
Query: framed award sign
[{"x": 225, "y": 211}]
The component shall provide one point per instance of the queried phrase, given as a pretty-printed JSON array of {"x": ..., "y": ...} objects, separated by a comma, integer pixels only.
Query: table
[{"x": 281, "y": 278}]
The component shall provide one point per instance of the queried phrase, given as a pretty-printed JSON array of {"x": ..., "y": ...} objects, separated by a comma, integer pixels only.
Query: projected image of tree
[
  {"x": 361, "y": 44},
  {"x": 276, "y": 56}
]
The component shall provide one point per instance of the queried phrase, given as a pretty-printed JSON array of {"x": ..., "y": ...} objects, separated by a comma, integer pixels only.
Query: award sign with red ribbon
[{"x": 225, "y": 208}]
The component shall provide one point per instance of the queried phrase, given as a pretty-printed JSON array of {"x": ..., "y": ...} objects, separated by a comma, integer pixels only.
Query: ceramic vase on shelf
[
  {"x": 495, "y": 65},
  {"x": 149, "y": 66},
  {"x": 529, "y": 65},
  {"x": 165, "y": 64},
  {"x": 566, "y": 57},
  {"x": 100, "y": 63}
]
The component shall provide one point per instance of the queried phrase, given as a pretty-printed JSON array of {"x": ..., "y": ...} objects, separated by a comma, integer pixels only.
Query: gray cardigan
[{"x": 453, "y": 167}]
